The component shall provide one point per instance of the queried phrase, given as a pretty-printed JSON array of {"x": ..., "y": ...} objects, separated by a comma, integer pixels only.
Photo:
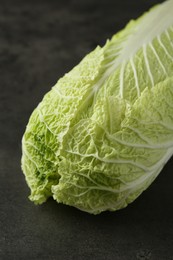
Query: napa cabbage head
[{"x": 103, "y": 133}]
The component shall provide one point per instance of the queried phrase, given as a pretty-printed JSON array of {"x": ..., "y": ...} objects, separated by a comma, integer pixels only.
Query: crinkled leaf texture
[{"x": 103, "y": 133}]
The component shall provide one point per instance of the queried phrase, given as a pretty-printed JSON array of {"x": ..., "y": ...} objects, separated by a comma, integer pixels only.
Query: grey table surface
[{"x": 39, "y": 42}]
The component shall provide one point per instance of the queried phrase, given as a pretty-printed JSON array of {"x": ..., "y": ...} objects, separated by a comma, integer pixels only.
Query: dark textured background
[{"x": 39, "y": 42}]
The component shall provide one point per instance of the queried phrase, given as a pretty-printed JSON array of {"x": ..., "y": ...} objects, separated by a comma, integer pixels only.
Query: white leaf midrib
[{"x": 152, "y": 25}]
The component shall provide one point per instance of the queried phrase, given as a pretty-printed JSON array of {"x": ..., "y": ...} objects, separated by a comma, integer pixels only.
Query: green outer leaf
[{"x": 101, "y": 171}]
